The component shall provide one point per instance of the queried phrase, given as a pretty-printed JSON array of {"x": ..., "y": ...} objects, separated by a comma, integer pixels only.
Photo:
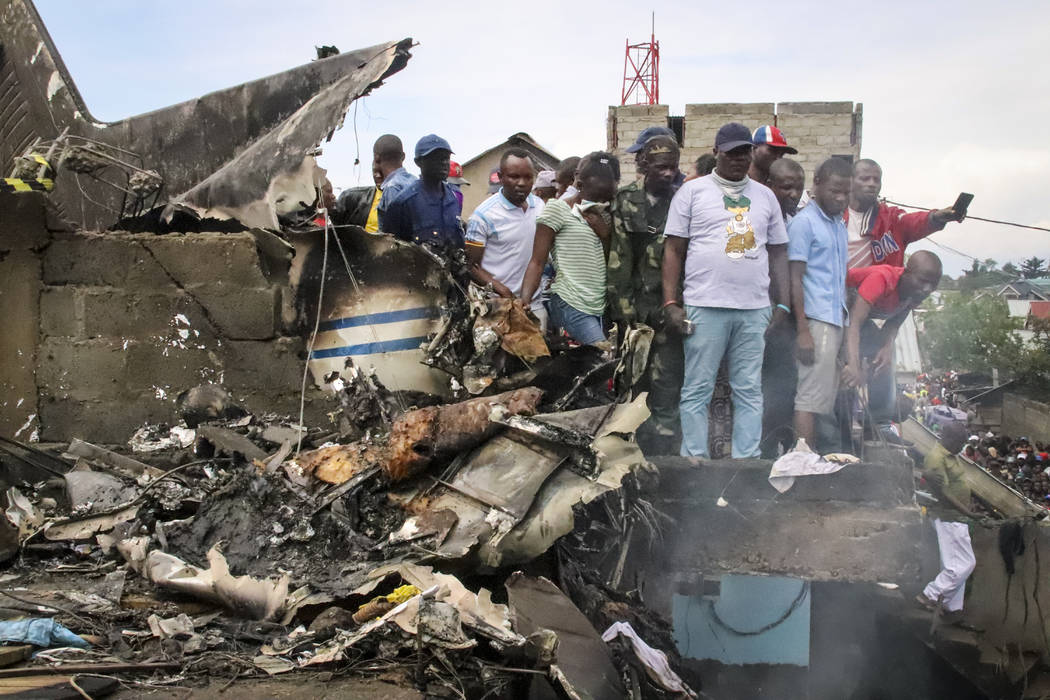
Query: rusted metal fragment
[
  {"x": 518, "y": 334},
  {"x": 421, "y": 436},
  {"x": 336, "y": 464},
  {"x": 513, "y": 496},
  {"x": 431, "y": 523}
]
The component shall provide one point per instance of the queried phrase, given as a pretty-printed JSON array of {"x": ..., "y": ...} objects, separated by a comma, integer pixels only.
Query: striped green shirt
[{"x": 579, "y": 259}]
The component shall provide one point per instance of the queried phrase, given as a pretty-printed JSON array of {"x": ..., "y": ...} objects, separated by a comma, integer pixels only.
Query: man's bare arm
[{"x": 475, "y": 254}]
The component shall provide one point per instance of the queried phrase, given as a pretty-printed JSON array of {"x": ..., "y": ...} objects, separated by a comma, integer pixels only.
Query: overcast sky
[{"x": 956, "y": 94}]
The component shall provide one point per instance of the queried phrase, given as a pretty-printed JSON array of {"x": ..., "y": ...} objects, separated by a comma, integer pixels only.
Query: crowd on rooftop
[
  {"x": 1019, "y": 462},
  {"x": 754, "y": 286}
]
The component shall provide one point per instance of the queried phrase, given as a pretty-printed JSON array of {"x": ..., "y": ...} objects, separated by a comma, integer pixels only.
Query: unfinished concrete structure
[{"x": 818, "y": 130}]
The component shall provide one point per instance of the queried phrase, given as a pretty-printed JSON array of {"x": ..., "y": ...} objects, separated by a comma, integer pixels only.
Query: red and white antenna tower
[{"x": 641, "y": 71}]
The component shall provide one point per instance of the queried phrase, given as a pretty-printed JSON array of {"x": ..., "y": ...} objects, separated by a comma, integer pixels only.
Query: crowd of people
[
  {"x": 1019, "y": 462},
  {"x": 791, "y": 293},
  {"x": 749, "y": 282}
]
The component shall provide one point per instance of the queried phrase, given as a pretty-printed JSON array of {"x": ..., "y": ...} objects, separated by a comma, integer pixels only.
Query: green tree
[
  {"x": 976, "y": 335},
  {"x": 1011, "y": 269},
  {"x": 1033, "y": 267},
  {"x": 982, "y": 273},
  {"x": 1034, "y": 368}
]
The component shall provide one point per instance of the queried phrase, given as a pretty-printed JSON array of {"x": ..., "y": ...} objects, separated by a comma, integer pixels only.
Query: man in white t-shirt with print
[{"x": 728, "y": 233}]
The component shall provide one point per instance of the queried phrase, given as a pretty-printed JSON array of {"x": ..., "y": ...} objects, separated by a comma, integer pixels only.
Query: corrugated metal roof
[{"x": 1040, "y": 309}]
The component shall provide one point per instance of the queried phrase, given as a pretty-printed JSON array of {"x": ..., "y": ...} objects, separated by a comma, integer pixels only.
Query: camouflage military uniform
[{"x": 635, "y": 295}]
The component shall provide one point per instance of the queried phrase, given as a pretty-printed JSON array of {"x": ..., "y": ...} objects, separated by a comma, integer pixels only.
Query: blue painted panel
[{"x": 746, "y": 604}]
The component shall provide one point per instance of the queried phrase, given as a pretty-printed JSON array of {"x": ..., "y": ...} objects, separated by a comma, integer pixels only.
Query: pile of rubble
[{"x": 473, "y": 549}]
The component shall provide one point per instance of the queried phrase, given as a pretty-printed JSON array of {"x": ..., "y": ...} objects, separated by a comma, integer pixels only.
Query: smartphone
[{"x": 962, "y": 203}]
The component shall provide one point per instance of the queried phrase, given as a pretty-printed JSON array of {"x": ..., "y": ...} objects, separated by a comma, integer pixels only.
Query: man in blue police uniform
[{"x": 427, "y": 211}]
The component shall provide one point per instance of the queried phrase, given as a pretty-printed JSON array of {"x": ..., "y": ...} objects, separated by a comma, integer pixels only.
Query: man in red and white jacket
[{"x": 879, "y": 233}]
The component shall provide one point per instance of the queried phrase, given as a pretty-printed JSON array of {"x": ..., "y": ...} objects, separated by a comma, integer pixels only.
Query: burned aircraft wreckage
[{"x": 325, "y": 450}]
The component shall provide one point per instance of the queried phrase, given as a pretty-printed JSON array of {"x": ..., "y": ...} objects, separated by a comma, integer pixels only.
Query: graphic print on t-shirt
[{"x": 741, "y": 235}]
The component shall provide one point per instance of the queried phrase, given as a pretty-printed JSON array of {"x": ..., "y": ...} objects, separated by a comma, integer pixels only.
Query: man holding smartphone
[
  {"x": 878, "y": 235},
  {"x": 878, "y": 232}
]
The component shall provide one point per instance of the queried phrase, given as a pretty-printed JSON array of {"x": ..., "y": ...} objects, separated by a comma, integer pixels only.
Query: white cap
[{"x": 544, "y": 178}]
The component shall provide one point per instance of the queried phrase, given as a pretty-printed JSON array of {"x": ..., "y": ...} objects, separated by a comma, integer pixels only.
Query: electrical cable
[
  {"x": 313, "y": 336},
  {"x": 975, "y": 218},
  {"x": 371, "y": 326},
  {"x": 803, "y": 592}
]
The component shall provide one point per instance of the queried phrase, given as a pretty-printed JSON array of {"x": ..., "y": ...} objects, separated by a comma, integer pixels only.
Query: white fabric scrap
[
  {"x": 654, "y": 660},
  {"x": 802, "y": 461}
]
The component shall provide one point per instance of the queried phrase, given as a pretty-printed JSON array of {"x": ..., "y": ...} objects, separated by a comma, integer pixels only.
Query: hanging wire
[
  {"x": 371, "y": 326},
  {"x": 313, "y": 336},
  {"x": 803, "y": 593},
  {"x": 975, "y": 218}
]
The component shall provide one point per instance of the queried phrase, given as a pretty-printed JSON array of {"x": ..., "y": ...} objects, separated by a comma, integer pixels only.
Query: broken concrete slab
[{"x": 859, "y": 524}]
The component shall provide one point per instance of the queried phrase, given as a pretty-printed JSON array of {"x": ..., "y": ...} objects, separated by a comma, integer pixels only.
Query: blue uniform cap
[
  {"x": 646, "y": 135},
  {"x": 431, "y": 143}
]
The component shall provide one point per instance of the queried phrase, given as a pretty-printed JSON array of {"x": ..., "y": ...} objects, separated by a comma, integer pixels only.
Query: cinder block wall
[
  {"x": 114, "y": 326},
  {"x": 702, "y": 122},
  {"x": 622, "y": 128},
  {"x": 820, "y": 130},
  {"x": 23, "y": 235},
  {"x": 817, "y": 129}
]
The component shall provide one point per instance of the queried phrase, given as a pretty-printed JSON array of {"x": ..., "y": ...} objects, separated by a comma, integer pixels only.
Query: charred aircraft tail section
[{"x": 200, "y": 148}]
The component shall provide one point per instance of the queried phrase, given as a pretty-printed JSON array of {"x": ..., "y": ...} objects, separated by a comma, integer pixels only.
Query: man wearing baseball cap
[
  {"x": 427, "y": 211},
  {"x": 639, "y": 143},
  {"x": 545, "y": 186},
  {"x": 728, "y": 234},
  {"x": 770, "y": 145}
]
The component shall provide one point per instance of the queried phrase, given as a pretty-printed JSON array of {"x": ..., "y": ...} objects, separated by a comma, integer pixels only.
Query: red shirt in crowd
[
  {"x": 889, "y": 231},
  {"x": 877, "y": 285}
]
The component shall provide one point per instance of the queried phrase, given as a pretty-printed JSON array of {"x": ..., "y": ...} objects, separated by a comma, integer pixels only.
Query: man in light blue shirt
[{"x": 818, "y": 254}]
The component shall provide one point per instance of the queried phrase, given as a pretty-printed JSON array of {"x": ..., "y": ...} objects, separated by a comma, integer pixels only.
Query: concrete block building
[{"x": 817, "y": 129}]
